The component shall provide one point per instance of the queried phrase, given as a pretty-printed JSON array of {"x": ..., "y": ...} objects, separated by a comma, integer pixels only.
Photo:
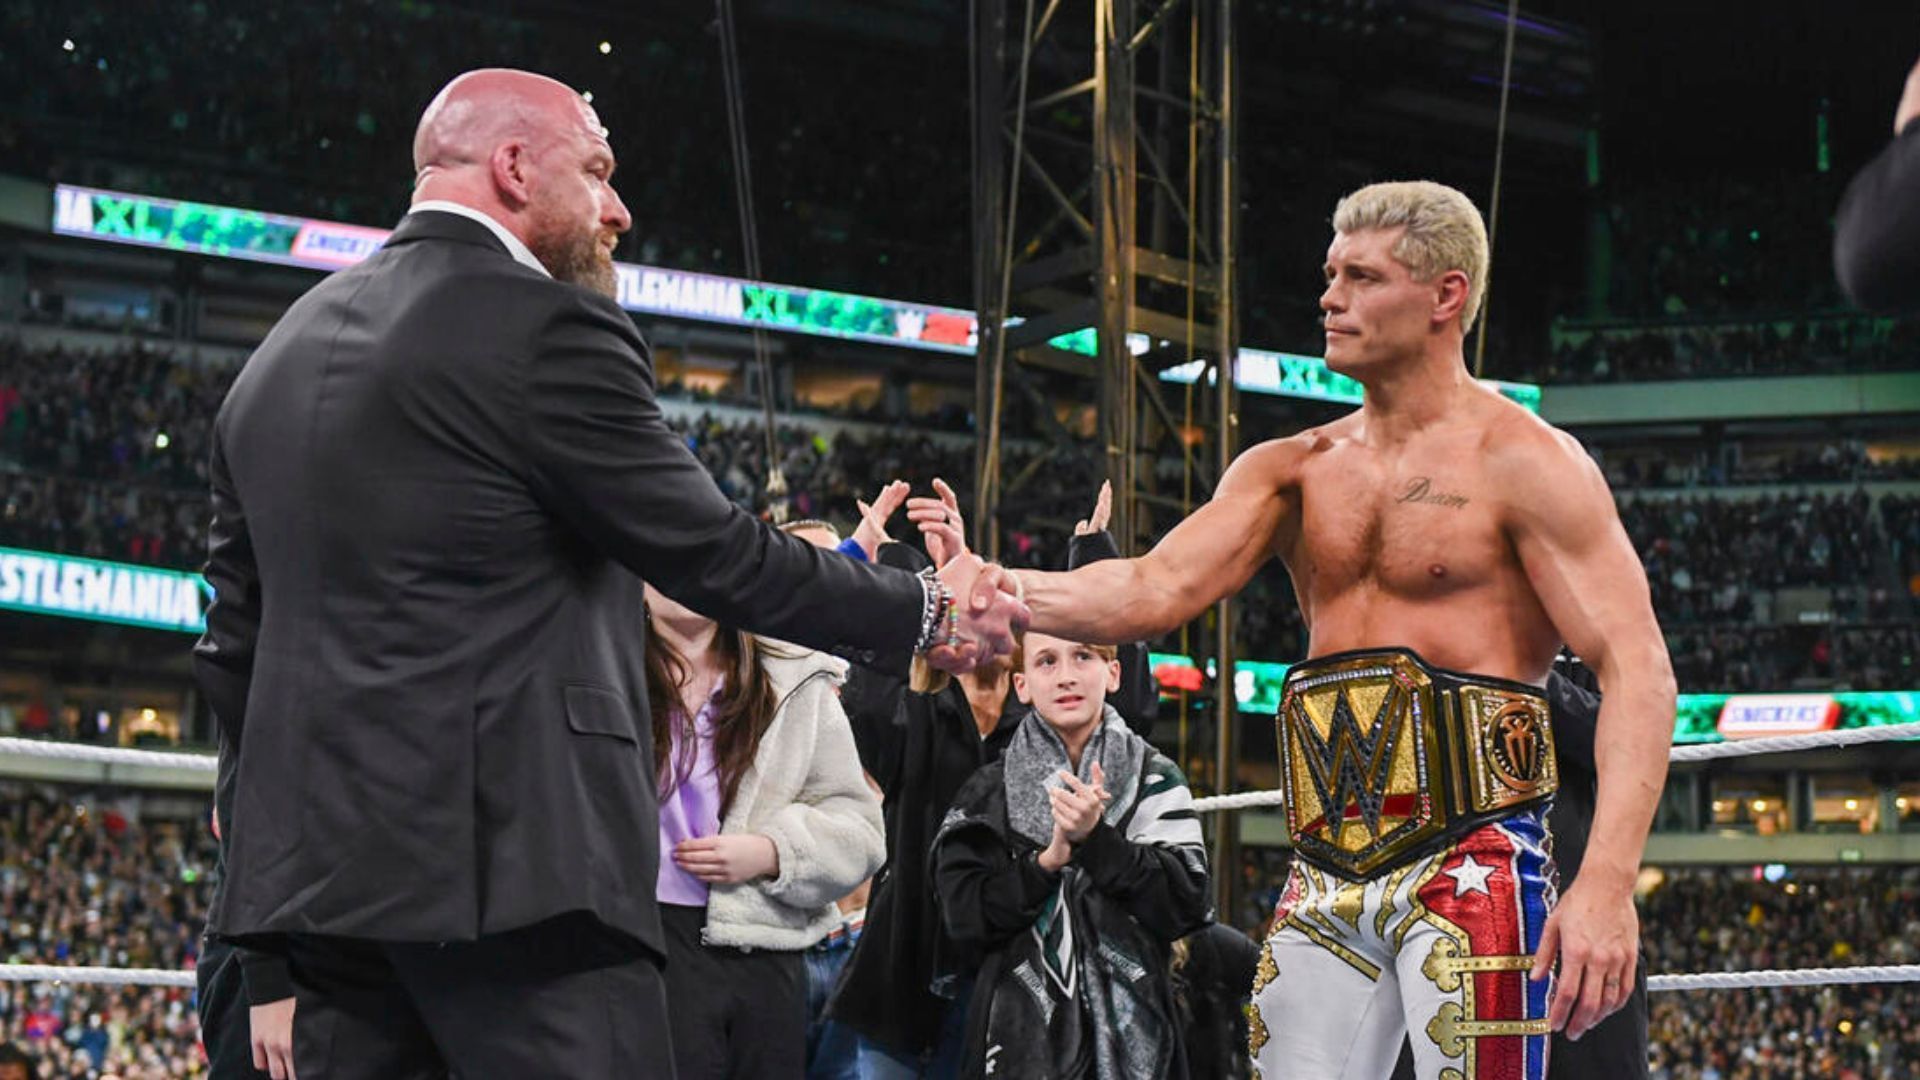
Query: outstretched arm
[
  {"x": 1562, "y": 522},
  {"x": 1210, "y": 555}
]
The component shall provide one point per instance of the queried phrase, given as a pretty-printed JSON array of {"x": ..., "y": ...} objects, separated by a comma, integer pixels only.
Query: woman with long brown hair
[{"x": 765, "y": 820}]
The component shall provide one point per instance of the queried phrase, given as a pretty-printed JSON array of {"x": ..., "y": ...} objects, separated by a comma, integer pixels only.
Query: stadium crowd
[
  {"x": 1835, "y": 461},
  {"x": 1722, "y": 246},
  {"x": 1722, "y": 920},
  {"x": 241, "y": 105},
  {"x": 1644, "y": 353},
  {"x": 106, "y": 454},
  {"x": 84, "y": 883}
]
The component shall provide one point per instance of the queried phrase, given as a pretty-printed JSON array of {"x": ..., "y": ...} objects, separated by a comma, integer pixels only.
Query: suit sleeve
[
  {"x": 1138, "y": 699},
  {"x": 602, "y": 457},
  {"x": 1876, "y": 248},
  {"x": 267, "y": 977},
  {"x": 223, "y": 657}
]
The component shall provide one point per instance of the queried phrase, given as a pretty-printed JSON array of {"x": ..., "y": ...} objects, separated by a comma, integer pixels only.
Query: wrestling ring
[{"x": 1662, "y": 983}]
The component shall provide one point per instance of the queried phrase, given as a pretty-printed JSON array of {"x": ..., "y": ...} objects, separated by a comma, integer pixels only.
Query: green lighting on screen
[
  {"x": 229, "y": 232},
  {"x": 67, "y": 587}
]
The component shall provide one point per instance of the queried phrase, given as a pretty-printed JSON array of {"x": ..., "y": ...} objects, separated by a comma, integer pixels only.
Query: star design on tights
[{"x": 1470, "y": 876}]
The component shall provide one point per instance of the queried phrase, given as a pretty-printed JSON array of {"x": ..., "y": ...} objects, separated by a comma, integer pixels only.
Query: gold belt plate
[
  {"x": 1358, "y": 750},
  {"x": 1512, "y": 758}
]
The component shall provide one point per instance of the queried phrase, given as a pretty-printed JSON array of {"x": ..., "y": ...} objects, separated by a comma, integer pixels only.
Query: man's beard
[{"x": 578, "y": 258}]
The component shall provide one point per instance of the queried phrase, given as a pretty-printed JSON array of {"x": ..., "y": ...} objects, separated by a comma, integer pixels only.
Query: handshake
[{"x": 989, "y": 605}]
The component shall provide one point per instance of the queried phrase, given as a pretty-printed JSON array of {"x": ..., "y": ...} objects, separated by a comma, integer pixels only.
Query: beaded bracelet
[
  {"x": 953, "y": 617},
  {"x": 937, "y": 608}
]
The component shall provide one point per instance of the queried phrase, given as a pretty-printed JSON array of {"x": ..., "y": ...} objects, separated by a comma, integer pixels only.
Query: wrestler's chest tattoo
[{"x": 1426, "y": 491}]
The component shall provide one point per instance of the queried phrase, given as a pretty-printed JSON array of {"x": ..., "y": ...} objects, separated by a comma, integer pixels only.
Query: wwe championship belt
[{"x": 1385, "y": 758}]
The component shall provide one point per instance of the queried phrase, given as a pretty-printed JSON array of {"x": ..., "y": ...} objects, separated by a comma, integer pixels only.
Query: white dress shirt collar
[{"x": 520, "y": 252}]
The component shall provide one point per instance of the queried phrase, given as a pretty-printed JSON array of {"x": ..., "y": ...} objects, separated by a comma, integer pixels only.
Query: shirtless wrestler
[{"x": 1443, "y": 543}]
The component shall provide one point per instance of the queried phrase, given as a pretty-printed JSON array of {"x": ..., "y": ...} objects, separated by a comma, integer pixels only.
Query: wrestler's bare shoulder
[
  {"x": 1275, "y": 465},
  {"x": 1521, "y": 452},
  {"x": 1510, "y": 430}
]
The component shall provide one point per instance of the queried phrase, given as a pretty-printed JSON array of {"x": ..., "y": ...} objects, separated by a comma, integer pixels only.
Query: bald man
[{"x": 437, "y": 487}]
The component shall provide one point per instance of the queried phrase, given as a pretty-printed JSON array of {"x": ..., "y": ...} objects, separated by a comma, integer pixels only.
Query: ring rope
[
  {"x": 101, "y": 976},
  {"x": 1780, "y": 744},
  {"x": 1750, "y": 980},
  {"x": 108, "y": 755},
  {"x": 1706, "y": 980},
  {"x": 1728, "y": 980},
  {"x": 167, "y": 759}
]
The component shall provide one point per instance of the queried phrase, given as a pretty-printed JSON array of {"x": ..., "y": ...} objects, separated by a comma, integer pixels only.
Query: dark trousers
[
  {"x": 737, "y": 1014},
  {"x": 555, "y": 999},
  {"x": 220, "y": 999}
]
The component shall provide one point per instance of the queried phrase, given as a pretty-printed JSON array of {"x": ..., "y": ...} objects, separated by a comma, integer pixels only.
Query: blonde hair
[
  {"x": 806, "y": 524},
  {"x": 924, "y": 678},
  {"x": 1019, "y": 657},
  {"x": 1443, "y": 232}
]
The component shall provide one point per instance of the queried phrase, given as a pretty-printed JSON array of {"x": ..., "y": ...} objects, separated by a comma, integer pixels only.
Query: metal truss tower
[{"x": 1105, "y": 224}]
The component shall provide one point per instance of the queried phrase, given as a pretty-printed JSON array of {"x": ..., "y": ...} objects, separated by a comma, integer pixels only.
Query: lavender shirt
[{"x": 692, "y": 809}]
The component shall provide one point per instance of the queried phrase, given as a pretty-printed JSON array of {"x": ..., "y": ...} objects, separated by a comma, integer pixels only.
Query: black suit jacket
[
  {"x": 1876, "y": 244},
  {"x": 437, "y": 486}
]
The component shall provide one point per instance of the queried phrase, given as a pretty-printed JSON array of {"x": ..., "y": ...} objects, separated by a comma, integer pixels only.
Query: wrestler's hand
[
  {"x": 729, "y": 859},
  {"x": 1596, "y": 932},
  {"x": 270, "y": 1030},
  {"x": 1909, "y": 108},
  {"x": 991, "y": 614},
  {"x": 940, "y": 522},
  {"x": 1077, "y": 808},
  {"x": 873, "y": 519},
  {"x": 1102, "y": 511}
]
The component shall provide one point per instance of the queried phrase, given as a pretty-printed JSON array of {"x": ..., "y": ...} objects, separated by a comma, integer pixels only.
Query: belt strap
[{"x": 1386, "y": 758}]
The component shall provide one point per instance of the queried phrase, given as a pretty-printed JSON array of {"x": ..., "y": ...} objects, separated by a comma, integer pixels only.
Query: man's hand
[
  {"x": 991, "y": 613},
  {"x": 1909, "y": 108},
  {"x": 940, "y": 522},
  {"x": 1597, "y": 935},
  {"x": 270, "y": 1029},
  {"x": 1102, "y": 511},
  {"x": 872, "y": 531},
  {"x": 1077, "y": 807},
  {"x": 728, "y": 860}
]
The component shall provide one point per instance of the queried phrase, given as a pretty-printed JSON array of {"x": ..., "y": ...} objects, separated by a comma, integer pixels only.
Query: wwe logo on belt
[{"x": 1350, "y": 767}]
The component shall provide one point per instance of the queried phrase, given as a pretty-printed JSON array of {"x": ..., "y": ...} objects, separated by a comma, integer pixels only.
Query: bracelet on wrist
[{"x": 939, "y": 615}]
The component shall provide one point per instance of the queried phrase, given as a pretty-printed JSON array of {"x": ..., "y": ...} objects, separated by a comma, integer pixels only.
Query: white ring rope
[
  {"x": 102, "y": 976},
  {"x": 1749, "y": 980},
  {"x": 1780, "y": 744},
  {"x": 66, "y": 751},
  {"x": 1717, "y": 980},
  {"x": 107, "y": 755},
  {"x": 1774, "y": 744},
  {"x": 1708, "y": 980},
  {"x": 1241, "y": 801}
]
